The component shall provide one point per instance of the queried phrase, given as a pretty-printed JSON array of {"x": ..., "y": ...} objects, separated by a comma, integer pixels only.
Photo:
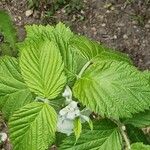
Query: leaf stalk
[{"x": 84, "y": 68}]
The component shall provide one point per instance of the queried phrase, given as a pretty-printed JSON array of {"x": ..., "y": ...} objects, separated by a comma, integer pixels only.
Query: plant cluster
[{"x": 77, "y": 94}]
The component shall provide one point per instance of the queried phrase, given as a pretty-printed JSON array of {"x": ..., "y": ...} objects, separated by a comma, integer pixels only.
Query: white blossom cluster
[{"x": 68, "y": 114}]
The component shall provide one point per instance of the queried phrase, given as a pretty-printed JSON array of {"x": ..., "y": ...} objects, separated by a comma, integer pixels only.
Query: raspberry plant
[{"x": 69, "y": 84}]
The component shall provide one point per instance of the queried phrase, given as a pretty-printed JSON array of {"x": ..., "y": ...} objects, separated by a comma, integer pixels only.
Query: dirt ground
[{"x": 117, "y": 23}]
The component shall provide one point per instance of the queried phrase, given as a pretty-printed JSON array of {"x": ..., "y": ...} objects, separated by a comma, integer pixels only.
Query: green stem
[
  {"x": 125, "y": 137},
  {"x": 122, "y": 129},
  {"x": 84, "y": 68}
]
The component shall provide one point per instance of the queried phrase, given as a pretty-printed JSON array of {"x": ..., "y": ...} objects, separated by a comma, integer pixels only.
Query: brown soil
[{"x": 120, "y": 25}]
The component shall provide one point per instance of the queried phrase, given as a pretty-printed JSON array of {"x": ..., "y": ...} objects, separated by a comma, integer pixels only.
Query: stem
[
  {"x": 39, "y": 99},
  {"x": 122, "y": 129},
  {"x": 83, "y": 69}
]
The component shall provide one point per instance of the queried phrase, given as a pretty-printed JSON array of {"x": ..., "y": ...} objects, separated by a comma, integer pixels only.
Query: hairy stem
[
  {"x": 125, "y": 137},
  {"x": 122, "y": 129},
  {"x": 84, "y": 68}
]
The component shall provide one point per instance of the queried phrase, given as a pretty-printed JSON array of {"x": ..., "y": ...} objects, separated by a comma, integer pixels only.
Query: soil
[{"x": 116, "y": 23}]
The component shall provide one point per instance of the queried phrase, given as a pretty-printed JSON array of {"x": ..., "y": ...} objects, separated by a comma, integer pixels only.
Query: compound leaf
[
  {"x": 114, "y": 89},
  {"x": 13, "y": 91},
  {"x": 105, "y": 135},
  {"x": 33, "y": 127},
  {"x": 43, "y": 69}
]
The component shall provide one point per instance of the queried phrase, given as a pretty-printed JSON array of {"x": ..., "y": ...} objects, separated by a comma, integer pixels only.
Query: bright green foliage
[
  {"x": 104, "y": 136},
  {"x": 92, "y": 50},
  {"x": 139, "y": 146},
  {"x": 77, "y": 128},
  {"x": 33, "y": 127},
  {"x": 7, "y": 29},
  {"x": 114, "y": 89},
  {"x": 42, "y": 68},
  {"x": 13, "y": 91},
  {"x": 106, "y": 84},
  {"x": 140, "y": 120},
  {"x": 61, "y": 36}
]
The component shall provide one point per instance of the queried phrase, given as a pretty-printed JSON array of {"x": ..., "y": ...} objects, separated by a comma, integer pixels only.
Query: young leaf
[
  {"x": 77, "y": 128},
  {"x": 7, "y": 29},
  {"x": 33, "y": 127},
  {"x": 48, "y": 32},
  {"x": 114, "y": 89},
  {"x": 42, "y": 68},
  {"x": 13, "y": 91},
  {"x": 105, "y": 135},
  {"x": 140, "y": 120},
  {"x": 140, "y": 146},
  {"x": 90, "y": 124},
  {"x": 92, "y": 50},
  {"x": 61, "y": 36}
]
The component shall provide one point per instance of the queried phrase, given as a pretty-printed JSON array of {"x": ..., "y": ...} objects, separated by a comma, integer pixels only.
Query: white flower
[
  {"x": 67, "y": 94},
  {"x": 68, "y": 114},
  {"x": 71, "y": 111},
  {"x": 65, "y": 125}
]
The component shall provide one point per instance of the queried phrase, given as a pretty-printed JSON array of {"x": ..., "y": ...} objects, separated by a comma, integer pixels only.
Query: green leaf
[
  {"x": 90, "y": 124},
  {"x": 7, "y": 29},
  {"x": 140, "y": 146},
  {"x": 48, "y": 32},
  {"x": 13, "y": 91},
  {"x": 105, "y": 135},
  {"x": 61, "y": 35},
  {"x": 42, "y": 68},
  {"x": 114, "y": 89},
  {"x": 33, "y": 127},
  {"x": 140, "y": 120},
  {"x": 5, "y": 49},
  {"x": 136, "y": 135},
  {"x": 77, "y": 128},
  {"x": 92, "y": 50}
]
